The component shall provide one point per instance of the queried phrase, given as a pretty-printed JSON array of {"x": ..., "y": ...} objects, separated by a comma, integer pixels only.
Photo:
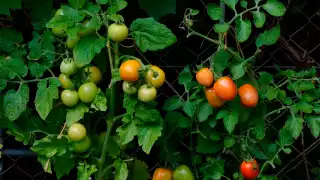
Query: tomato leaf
[
  {"x": 11, "y": 67},
  {"x": 139, "y": 171},
  {"x": 103, "y": 1},
  {"x": 75, "y": 114},
  {"x": 100, "y": 101},
  {"x": 9, "y": 38},
  {"x": 42, "y": 46},
  {"x": 3, "y": 84},
  {"x": 85, "y": 171},
  {"x": 265, "y": 78},
  {"x": 231, "y": 4},
  {"x": 158, "y": 8},
  {"x": 214, "y": 11},
  {"x": 294, "y": 125},
  {"x": 151, "y": 35},
  {"x": 205, "y": 110},
  {"x": 316, "y": 108},
  {"x": 207, "y": 145},
  {"x": 172, "y": 104},
  {"x": 46, "y": 93},
  {"x": 116, "y": 6},
  {"x": 259, "y": 18},
  {"x": 15, "y": 102},
  {"x": 87, "y": 48},
  {"x": 229, "y": 142},
  {"x": 177, "y": 120},
  {"x": 77, "y": 4},
  {"x": 220, "y": 61},
  {"x": 63, "y": 165},
  {"x": 189, "y": 108},
  {"x": 5, "y": 6},
  {"x": 313, "y": 123},
  {"x": 121, "y": 170},
  {"x": 285, "y": 138},
  {"x": 274, "y": 8},
  {"x": 50, "y": 147},
  {"x": 213, "y": 171},
  {"x": 147, "y": 115},
  {"x": 243, "y": 29},
  {"x": 36, "y": 69},
  {"x": 68, "y": 19},
  {"x": 230, "y": 121},
  {"x": 304, "y": 106},
  {"x": 148, "y": 134},
  {"x": 127, "y": 131},
  {"x": 46, "y": 163},
  {"x": 221, "y": 28},
  {"x": 129, "y": 103},
  {"x": 268, "y": 37},
  {"x": 238, "y": 70}
]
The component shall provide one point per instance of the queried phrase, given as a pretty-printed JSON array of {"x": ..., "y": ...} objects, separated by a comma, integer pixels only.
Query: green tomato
[
  {"x": 77, "y": 132},
  {"x": 146, "y": 93},
  {"x": 128, "y": 88},
  {"x": 65, "y": 81},
  {"x": 59, "y": 32},
  {"x": 118, "y": 32},
  {"x": 68, "y": 66},
  {"x": 71, "y": 43},
  {"x": 94, "y": 74},
  {"x": 183, "y": 172},
  {"x": 87, "y": 92},
  {"x": 86, "y": 29},
  {"x": 83, "y": 145},
  {"x": 69, "y": 97}
]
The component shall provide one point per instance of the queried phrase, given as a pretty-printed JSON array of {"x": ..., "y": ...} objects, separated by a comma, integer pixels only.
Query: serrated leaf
[
  {"x": 205, "y": 110},
  {"x": 36, "y": 69},
  {"x": 243, "y": 29},
  {"x": 46, "y": 93},
  {"x": 77, "y": 4},
  {"x": 265, "y": 78},
  {"x": 127, "y": 131},
  {"x": 221, "y": 28},
  {"x": 304, "y": 106},
  {"x": 239, "y": 70},
  {"x": 274, "y": 7},
  {"x": 259, "y": 18},
  {"x": 259, "y": 129},
  {"x": 285, "y": 137},
  {"x": 185, "y": 77},
  {"x": 294, "y": 125},
  {"x": 151, "y": 35},
  {"x": 299, "y": 86},
  {"x": 100, "y": 101},
  {"x": 69, "y": 18},
  {"x": 86, "y": 49},
  {"x": 121, "y": 170},
  {"x": 15, "y": 102},
  {"x": 85, "y": 171},
  {"x": 230, "y": 121},
  {"x": 50, "y": 147},
  {"x": 189, "y": 108},
  {"x": 158, "y": 8},
  {"x": 316, "y": 108},
  {"x": 147, "y": 115},
  {"x": 229, "y": 142},
  {"x": 148, "y": 134},
  {"x": 116, "y": 6},
  {"x": 268, "y": 37},
  {"x": 213, "y": 171},
  {"x": 220, "y": 61},
  {"x": 214, "y": 11},
  {"x": 5, "y": 6},
  {"x": 9, "y": 38},
  {"x": 172, "y": 104},
  {"x": 63, "y": 165},
  {"x": 231, "y": 4},
  {"x": 75, "y": 114},
  {"x": 256, "y": 151},
  {"x": 271, "y": 93},
  {"x": 313, "y": 123}
]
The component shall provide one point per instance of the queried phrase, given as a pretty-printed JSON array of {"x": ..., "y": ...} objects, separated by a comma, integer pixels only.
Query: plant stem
[
  {"x": 275, "y": 111},
  {"x": 264, "y": 164},
  {"x": 240, "y": 14},
  {"x": 29, "y": 81}
]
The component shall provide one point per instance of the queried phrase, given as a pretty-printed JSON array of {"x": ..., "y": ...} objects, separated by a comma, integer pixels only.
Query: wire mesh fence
[{"x": 298, "y": 47}]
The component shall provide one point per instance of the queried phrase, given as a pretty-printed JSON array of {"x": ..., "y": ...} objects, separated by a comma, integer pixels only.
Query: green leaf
[
  {"x": 69, "y": 18},
  {"x": 42, "y": 46},
  {"x": 243, "y": 29},
  {"x": 256, "y": 151},
  {"x": 151, "y": 35},
  {"x": 274, "y": 7},
  {"x": 299, "y": 86},
  {"x": 317, "y": 108},
  {"x": 148, "y": 134},
  {"x": 103, "y": 1},
  {"x": 231, "y": 4},
  {"x": 172, "y": 104},
  {"x": 294, "y": 125},
  {"x": 268, "y": 37},
  {"x": 222, "y": 114},
  {"x": 285, "y": 137},
  {"x": 100, "y": 101},
  {"x": 214, "y": 11},
  {"x": 116, "y": 6},
  {"x": 158, "y": 8},
  {"x": 189, "y": 108},
  {"x": 127, "y": 131},
  {"x": 230, "y": 121},
  {"x": 3, "y": 84},
  {"x": 265, "y": 78},
  {"x": 287, "y": 150},
  {"x": 46, "y": 163},
  {"x": 147, "y": 115},
  {"x": 77, "y": 4},
  {"x": 121, "y": 170},
  {"x": 205, "y": 110},
  {"x": 86, "y": 49},
  {"x": 85, "y": 171},
  {"x": 50, "y": 147},
  {"x": 9, "y": 38},
  {"x": 177, "y": 120},
  {"x": 75, "y": 114},
  {"x": 15, "y": 102},
  {"x": 185, "y": 77},
  {"x": 46, "y": 93},
  {"x": 313, "y": 123},
  {"x": 220, "y": 61},
  {"x": 244, "y": 4},
  {"x": 259, "y": 129},
  {"x": 221, "y": 28},
  {"x": 307, "y": 73},
  {"x": 63, "y": 165},
  {"x": 5, "y": 6},
  {"x": 139, "y": 171},
  {"x": 206, "y": 146},
  {"x": 271, "y": 93},
  {"x": 304, "y": 106},
  {"x": 257, "y": 1},
  {"x": 212, "y": 171},
  {"x": 238, "y": 70},
  {"x": 36, "y": 69},
  {"x": 40, "y": 12},
  {"x": 229, "y": 142},
  {"x": 259, "y": 18}
]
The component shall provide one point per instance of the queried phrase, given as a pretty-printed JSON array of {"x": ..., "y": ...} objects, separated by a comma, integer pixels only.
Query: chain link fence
[{"x": 298, "y": 47}]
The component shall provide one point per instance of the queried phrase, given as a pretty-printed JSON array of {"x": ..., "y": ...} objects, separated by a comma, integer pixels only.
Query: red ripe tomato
[
  {"x": 162, "y": 174},
  {"x": 225, "y": 88},
  {"x": 250, "y": 170},
  {"x": 248, "y": 95}
]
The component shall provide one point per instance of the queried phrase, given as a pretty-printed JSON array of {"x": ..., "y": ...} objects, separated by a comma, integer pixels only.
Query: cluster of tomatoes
[
  {"x": 224, "y": 89},
  {"x": 182, "y": 172},
  {"x": 142, "y": 79}
]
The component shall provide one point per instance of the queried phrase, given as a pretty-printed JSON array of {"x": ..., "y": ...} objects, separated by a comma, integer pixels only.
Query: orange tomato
[
  {"x": 248, "y": 95},
  {"x": 205, "y": 77},
  {"x": 162, "y": 174},
  {"x": 212, "y": 98},
  {"x": 225, "y": 88},
  {"x": 129, "y": 70}
]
